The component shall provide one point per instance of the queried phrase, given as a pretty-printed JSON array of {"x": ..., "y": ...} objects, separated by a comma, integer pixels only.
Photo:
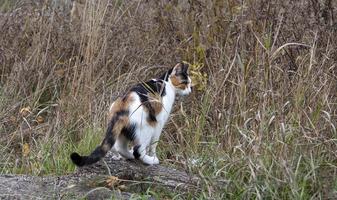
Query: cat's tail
[{"x": 98, "y": 153}]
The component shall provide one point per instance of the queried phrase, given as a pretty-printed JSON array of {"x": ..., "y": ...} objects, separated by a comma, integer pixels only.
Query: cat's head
[{"x": 180, "y": 79}]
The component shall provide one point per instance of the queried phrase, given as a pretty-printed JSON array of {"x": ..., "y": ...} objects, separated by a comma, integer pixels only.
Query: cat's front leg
[
  {"x": 152, "y": 152},
  {"x": 142, "y": 144},
  {"x": 153, "y": 146},
  {"x": 139, "y": 152}
]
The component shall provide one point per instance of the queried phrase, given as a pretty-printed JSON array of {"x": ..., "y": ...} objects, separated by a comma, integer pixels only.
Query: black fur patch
[
  {"x": 77, "y": 159},
  {"x": 129, "y": 132},
  {"x": 109, "y": 135},
  {"x": 115, "y": 118},
  {"x": 184, "y": 77},
  {"x": 183, "y": 73},
  {"x": 144, "y": 89},
  {"x": 121, "y": 113},
  {"x": 153, "y": 86},
  {"x": 152, "y": 116},
  {"x": 184, "y": 67},
  {"x": 95, "y": 156},
  {"x": 136, "y": 153}
]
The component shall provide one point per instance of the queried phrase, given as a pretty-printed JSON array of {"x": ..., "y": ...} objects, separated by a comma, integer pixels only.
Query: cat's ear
[
  {"x": 180, "y": 68},
  {"x": 185, "y": 67},
  {"x": 177, "y": 69}
]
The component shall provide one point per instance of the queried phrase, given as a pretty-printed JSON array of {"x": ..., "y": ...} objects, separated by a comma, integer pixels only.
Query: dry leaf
[
  {"x": 112, "y": 181},
  {"x": 39, "y": 119},
  {"x": 60, "y": 72},
  {"x": 25, "y": 111},
  {"x": 12, "y": 119},
  {"x": 25, "y": 149}
]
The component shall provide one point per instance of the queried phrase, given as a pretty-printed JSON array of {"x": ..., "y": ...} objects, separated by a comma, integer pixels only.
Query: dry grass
[{"x": 264, "y": 121}]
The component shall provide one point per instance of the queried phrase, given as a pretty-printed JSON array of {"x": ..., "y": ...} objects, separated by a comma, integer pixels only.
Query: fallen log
[{"x": 108, "y": 178}]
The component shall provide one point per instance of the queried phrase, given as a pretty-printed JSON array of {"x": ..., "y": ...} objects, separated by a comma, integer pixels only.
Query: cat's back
[{"x": 148, "y": 103}]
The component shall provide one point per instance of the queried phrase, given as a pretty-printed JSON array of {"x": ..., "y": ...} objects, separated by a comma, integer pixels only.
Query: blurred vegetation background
[{"x": 262, "y": 119}]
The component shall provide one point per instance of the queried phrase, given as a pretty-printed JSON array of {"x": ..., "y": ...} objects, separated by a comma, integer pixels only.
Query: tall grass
[{"x": 262, "y": 121}]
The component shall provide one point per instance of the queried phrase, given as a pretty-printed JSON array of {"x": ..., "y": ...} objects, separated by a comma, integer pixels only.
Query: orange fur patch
[
  {"x": 156, "y": 102},
  {"x": 176, "y": 82},
  {"x": 120, "y": 124},
  {"x": 152, "y": 123},
  {"x": 120, "y": 105}
]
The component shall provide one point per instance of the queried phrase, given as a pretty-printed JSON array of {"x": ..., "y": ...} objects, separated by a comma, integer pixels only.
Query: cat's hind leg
[{"x": 123, "y": 149}]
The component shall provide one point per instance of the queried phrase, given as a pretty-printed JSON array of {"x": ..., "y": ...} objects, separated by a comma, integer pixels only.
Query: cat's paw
[
  {"x": 149, "y": 160},
  {"x": 155, "y": 160}
]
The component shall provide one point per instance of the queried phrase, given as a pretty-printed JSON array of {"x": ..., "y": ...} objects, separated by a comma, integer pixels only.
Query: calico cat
[{"x": 139, "y": 117}]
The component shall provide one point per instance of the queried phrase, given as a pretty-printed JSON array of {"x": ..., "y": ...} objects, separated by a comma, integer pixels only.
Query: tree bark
[{"x": 106, "y": 179}]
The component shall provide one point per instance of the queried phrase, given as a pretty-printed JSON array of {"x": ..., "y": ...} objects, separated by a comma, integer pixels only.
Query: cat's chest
[{"x": 166, "y": 104}]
